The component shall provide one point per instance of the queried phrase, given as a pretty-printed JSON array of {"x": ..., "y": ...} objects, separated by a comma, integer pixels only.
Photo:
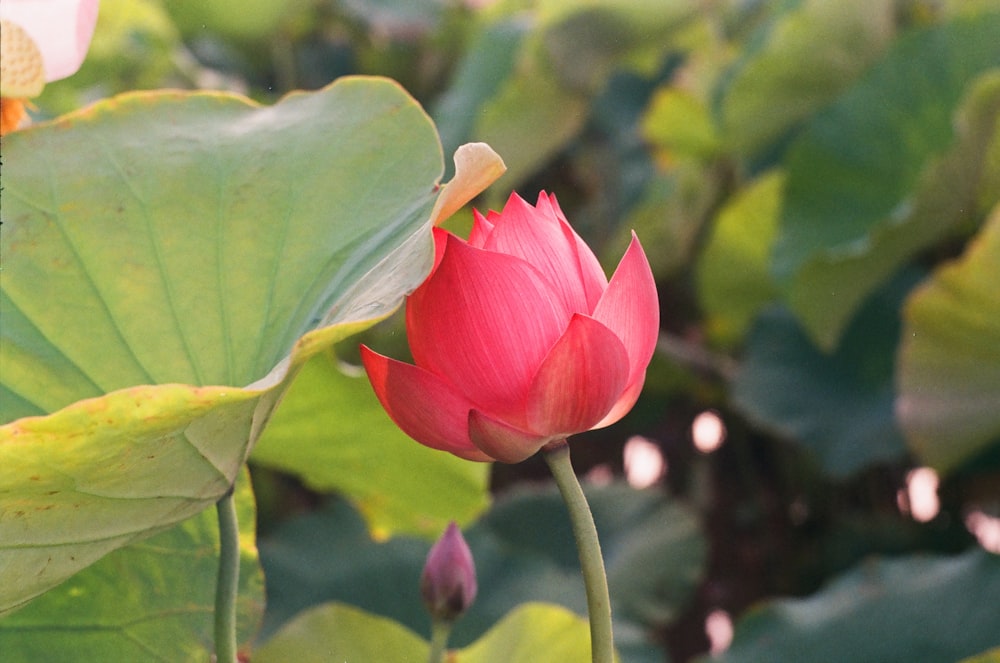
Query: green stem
[
  {"x": 589, "y": 547},
  {"x": 440, "y": 630},
  {"x": 227, "y": 586}
]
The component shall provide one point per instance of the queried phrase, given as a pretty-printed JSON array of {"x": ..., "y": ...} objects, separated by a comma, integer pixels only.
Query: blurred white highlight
[
  {"x": 986, "y": 529},
  {"x": 600, "y": 475},
  {"x": 644, "y": 462},
  {"x": 719, "y": 629},
  {"x": 708, "y": 431},
  {"x": 921, "y": 498}
]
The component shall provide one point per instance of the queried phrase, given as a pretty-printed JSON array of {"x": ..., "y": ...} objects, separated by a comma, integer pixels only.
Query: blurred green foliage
[{"x": 816, "y": 183}]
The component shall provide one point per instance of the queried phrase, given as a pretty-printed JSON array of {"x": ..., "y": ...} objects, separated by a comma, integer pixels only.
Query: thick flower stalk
[
  {"x": 519, "y": 339},
  {"x": 40, "y": 41}
]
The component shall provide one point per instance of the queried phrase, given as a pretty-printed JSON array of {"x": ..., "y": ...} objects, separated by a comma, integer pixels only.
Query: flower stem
[
  {"x": 440, "y": 630},
  {"x": 227, "y": 585},
  {"x": 589, "y": 547}
]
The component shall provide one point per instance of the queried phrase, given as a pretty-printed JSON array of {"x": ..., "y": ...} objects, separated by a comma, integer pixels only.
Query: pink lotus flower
[
  {"x": 40, "y": 41},
  {"x": 60, "y": 30},
  {"x": 519, "y": 339}
]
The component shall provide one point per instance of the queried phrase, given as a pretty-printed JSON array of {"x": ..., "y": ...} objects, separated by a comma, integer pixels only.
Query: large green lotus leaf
[
  {"x": 838, "y": 405},
  {"x": 185, "y": 240},
  {"x": 339, "y": 632},
  {"x": 949, "y": 361},
  {"x": 532, "y": 633},
  {"x": 524, "y": 551},
  {"x": 734, "y": 282},
  {"x": 886, "y": 171},
  {"x": 991, "y": 656},
  {"x": 151, "y": 601},
  {"x": 677, "y": 123},
  {"x": 331, "y": 431},
  {"x": 920, "y": 608},
  {"x": 808, "y": 56}
]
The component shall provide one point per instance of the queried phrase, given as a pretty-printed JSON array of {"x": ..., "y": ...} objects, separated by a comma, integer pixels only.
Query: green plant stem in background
[
  {"x": 589, "y": 547},
  {"x": 227, "y": 586},
  {"x": 440, "y": 630}
]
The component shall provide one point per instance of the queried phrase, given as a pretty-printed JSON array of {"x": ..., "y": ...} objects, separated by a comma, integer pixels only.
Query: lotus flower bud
[{"x": 448, "y": 582}]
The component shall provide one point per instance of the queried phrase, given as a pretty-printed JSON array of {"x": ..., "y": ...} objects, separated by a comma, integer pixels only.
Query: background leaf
[
  {"x": 734, "y": 281},
  {"x": 531, "y": 633},
  {"x": 335, "y": 631},
  {"x": 949, "y": 363},
  {"x": 884, "y": 611},
  {"x": 806, "y": 56},
  {"x": 841, "y": 195},
  {"x": 523, "y": 550},
  {"x": 838, "y": 405}
]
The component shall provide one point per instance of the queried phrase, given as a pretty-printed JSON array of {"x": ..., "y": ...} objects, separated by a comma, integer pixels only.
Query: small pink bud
[{"x": 448, "y": 583}]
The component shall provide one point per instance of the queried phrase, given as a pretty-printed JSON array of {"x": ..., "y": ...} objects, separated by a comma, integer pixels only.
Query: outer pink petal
[
  {"x": 502, "y": 441},
  {"x": 624, "y": 402},
  {"x": 539, "y": 237},
  {"x": 440, "y": 241},
  {"x": 61, "y": 29},
  {"x": 483, "y": 322},
  {"x": 422, "y": 405},
  {"x": 580, "y": 380},
  {"x": 630, "y": 308}
]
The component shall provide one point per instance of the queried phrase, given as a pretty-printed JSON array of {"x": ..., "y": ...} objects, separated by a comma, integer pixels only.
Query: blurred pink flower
[
  {"x": 61, "y": 29},
  {"x": 519, "y": 339},
  {"x": 40, "y": 41}
]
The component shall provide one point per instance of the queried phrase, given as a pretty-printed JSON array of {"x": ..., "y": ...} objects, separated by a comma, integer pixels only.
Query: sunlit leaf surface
[
  {"x": 532, "y": 633},
  {"x": 949, "y": 364},
  {"x": 159, "y": 245}
]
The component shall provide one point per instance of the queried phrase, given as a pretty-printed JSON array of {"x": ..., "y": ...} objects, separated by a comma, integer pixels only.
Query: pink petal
[
  {"x": 591, "y": 273},
  {"x": 539, "y": 237},
  {"x": 440, "y": 241},
  {"x": 481, "y": 229},
  {"x": 630, "y": 308},
  {"x": 579, "y": 381},
  {"x": 483, "y": 322},
  {"x": 503, "y": 441},
  {"x": 624, "y": 402},
  {"x": 422, "y": 405},
  {"x": 61, "y": 29}
]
